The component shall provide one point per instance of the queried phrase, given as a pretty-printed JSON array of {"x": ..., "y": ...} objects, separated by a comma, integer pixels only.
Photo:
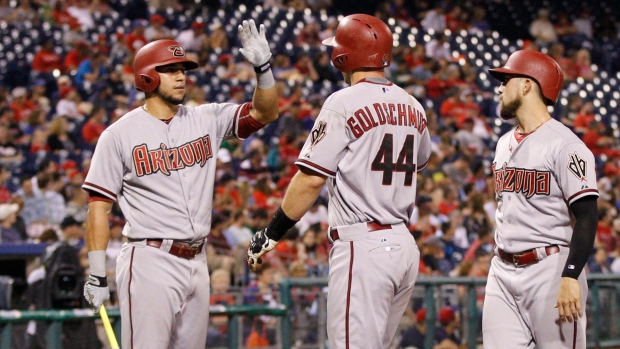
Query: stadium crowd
[{"x": 53, "y": 111}]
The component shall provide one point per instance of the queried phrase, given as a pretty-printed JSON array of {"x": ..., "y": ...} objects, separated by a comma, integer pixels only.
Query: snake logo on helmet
[
  {"x": 156, "y": 54},
  {"x": 361, "y": 41},
  {"x": 537, "y": 66}
]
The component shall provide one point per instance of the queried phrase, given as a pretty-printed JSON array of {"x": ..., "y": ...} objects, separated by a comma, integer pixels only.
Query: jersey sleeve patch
[
  {"x": 97, "y": 189},
  {"x": 315, "y": 167},
  {"x": 578, "y": 166},
  {"x": 318, "y": 134}
]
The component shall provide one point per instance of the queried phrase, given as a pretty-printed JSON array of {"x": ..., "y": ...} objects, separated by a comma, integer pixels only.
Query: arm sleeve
[{"x": 582, "y": 241}]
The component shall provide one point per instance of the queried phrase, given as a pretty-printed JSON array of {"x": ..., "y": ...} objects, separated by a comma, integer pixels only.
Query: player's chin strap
[{"x": 584, "y": 233}]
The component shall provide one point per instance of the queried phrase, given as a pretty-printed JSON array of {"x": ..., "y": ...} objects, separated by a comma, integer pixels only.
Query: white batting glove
[
  {"x": 96, "y": 291},
  {"x": 259, "y": 245},
  {"x": 255, "y": 46}
]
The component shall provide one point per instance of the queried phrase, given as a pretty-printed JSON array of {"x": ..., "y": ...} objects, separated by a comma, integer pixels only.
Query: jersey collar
[{"x": 378, "y": 81}]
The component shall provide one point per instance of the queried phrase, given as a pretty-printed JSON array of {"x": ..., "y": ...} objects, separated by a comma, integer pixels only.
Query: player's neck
[
  {"x": 356, "y": 76},
  {"x": 160, "y": 109},
  {"x": 531, "y": 120}
]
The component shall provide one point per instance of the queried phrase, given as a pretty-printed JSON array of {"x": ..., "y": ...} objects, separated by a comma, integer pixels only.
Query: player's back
[{"x": 388, "y": 142}]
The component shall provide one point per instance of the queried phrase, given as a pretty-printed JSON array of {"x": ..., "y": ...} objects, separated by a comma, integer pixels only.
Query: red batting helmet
[
  {"x": 361, "y": 41},
  {"x": 537, "y": 66},
  {"x": 156, "y": 54}
]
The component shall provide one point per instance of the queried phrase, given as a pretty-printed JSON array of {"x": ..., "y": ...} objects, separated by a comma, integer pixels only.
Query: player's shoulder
[
  {"x": 562, "y": 134},
  {"x": 124, "y": 121}
]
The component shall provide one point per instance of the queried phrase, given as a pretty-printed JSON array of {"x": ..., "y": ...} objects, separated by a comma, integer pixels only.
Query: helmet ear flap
[{"x": 341, "y": 60}]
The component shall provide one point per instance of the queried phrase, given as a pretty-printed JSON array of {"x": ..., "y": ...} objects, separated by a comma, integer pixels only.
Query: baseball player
[
  {"x": 158, "y": 162},
  {"x": 367, "y": 143},
  {"x": 544, "y": 174}
]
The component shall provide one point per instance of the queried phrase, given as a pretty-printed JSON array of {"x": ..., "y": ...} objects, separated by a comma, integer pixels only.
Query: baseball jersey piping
[
  {"x": 388, "y": 83},
  {"x": 103, "y": 191},
  {"x": 583, "y": 193},
  {"x": 315, "y": 167},
  {"x": 133, "y": 249},
  {"x": 347, "y": 322}
]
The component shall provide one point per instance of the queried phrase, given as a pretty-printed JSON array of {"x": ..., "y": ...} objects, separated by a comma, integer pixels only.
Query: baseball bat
[{"x": 108, "y": 327}]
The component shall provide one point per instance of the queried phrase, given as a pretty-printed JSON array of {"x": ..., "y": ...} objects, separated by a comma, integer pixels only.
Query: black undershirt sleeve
[{"x": 585, "y": 211}]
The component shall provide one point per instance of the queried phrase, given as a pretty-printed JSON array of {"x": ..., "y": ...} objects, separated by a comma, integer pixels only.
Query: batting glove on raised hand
[
  {"x": 255, "y": 46},
  {"x": 96, "y": 291},
  {"x": 259, "y": 245}
]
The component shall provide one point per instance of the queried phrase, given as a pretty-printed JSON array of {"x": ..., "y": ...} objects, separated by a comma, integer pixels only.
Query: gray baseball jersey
[
  {"x": 370, "y": 139},
  {"x": 536, "y": 180},
  {"x": 162, "y": 175}
]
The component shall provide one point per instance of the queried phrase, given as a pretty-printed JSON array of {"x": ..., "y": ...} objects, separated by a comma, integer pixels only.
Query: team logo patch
[
  {"x": 578, "y": 166},
  {"x": 176, "y": 50},
  {"x": 318, "y": 134}
]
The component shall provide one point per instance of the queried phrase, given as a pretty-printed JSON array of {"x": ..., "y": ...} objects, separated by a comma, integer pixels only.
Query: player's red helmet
[
  {"x": 535, "y": 65},
  {"x": 156, "y": 54},
  {"x": 361, "y": 41}
]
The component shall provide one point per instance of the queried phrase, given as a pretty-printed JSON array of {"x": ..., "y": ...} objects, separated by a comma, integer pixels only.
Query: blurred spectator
[
  {"x": 46, "y": 60},
  {"x": 219, "y": 251},
  {"x": 51, "y": 186},
  {"x": 478, "y": 22},
  {"x": 218, "y": 324},
  {"x": 283, "y": 70},
  {"x": 583, "y": 22},
  {"x": 287, "y": 250},
  {"x": 330, "y": 29},
  {"x": 77, "y": 204},
  {"x": 136, "y": 38},
  {"x": 324, "y": 69},
  {"x": 600, "y": 262},
  {"x": 22, "y": 106},
  {"x": 74, "y": 34},
  {"x": 218, "y": 39},
  {"x": 581, "y": 123},
  {"x": 261, "y": 291},
  {"x": 94, "y": 127},
  {"x": 10, "y": 155},
  {"x": 305, "y": 67},
  {"x": 23, "y": 13},
  {"x": 581, "y": 65},
  {"x": 414, "y": 336},
  {"x": 5, "y": 194},
  {"x": 34, "y": 211},
  {"x": 157, "y": 29},
  {"x": 194, "y": 38},
  {"x": 459, "y": 107},
  {"x": 91, "y": 71},
  {"x": 542, "y": 30},
  {"x": 228, "y": 69},
  {"x": 253, "y": 166},
  {"x": 68, "y": 104},
  {"x": 467, "y": 139},
  {"x": 456, "y": 19},
  {"x": 605, "y": 236},
  {"x": 60, "y": 15},
  {"x": 600, "y": 140},
  {"x": 476, "y": 221},
  {"x": 439, "y": 48},
  {"x": 309, "y": 35},
  {"x": 567, "y": 32},
  {"x": 237, "y": 234},
  {"x": 446, "y": 335},
  {"x": 556, "y": 51},
  {"x": 82, "y": 10},
  {"x": 8, "y": 215},
  {"x": 435, "y": 19}
]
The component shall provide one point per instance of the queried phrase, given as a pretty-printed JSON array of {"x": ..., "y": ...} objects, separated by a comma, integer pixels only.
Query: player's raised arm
[{"x": 256, "y": 51}]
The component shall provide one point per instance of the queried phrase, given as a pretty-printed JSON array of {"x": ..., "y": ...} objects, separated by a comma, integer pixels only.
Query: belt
[
  {"x": 372, "y": 226},
  {"x": 522, "y": 259},
  {"x": 179, "y": 249}
]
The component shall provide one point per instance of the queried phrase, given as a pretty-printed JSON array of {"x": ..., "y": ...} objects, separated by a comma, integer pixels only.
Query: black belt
[
  {"x": 522, "y": 259},
  {"x": 179, "y": 249},
  {"x": 372, "y": 226}
]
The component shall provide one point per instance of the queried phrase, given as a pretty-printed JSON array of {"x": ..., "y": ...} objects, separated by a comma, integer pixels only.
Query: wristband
[
  {"x": 262, "y": 68},
  {"x": 265, "y": 80},
  {"x": 101, "y": 281},
  {"x": 96, "y": 259},
  {"x": 279, "y": 225}
]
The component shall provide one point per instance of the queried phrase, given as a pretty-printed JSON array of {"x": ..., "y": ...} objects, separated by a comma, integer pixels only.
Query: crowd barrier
[{"x": 603, "y": 312}]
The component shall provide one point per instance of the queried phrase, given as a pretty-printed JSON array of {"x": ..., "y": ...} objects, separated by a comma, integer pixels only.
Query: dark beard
[
  {"x": 509, "y": 111},
  {"x": 168, "y": 98}
]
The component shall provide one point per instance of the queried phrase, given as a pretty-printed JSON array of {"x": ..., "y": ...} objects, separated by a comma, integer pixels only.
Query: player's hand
[
  {"x": 96, "y": 291},
  {"x": 255, "y": 46},
  {"x": 259, "y": 245},
  {"x": 569, "y": 300}
]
